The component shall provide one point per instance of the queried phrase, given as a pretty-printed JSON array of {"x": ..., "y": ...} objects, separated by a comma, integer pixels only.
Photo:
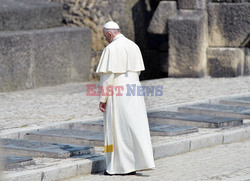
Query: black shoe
[
  {"x": 130, "y": 173},
  {"x": 106, "y": 173}
]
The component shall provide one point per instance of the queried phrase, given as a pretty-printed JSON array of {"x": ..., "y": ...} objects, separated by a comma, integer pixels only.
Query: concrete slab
[
  {"x": 193, "y": 5},
  {"x": 225, "y": 30},
  {"x": 225, "y": 62},
  {"x": 200, "y": 121},
  {"x": 239, "y": 101},
  {"x": 94, "y": 126},
  {"x": 29, "y": 148},
  {"x": 155, "y": 129},
  {"x": 217, "y": 110},
  {"x": 36, "y": 58},
  {"x": 13, "y": 162},
  {"x": 61, "y": 55},
  {"x": 158, "y": 23},
  {"x": 187, "y": 59},
  {"x": 170, "y": 130},
  {"x": 68, "y": 136},
  {"x": 29, "y": 14}
]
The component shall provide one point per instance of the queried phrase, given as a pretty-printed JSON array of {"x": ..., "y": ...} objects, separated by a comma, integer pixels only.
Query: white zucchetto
[{"x": 111, "y": 25}]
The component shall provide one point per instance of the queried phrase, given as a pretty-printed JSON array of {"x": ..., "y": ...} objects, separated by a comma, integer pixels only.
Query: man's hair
[{"x": 114, "y": 31}]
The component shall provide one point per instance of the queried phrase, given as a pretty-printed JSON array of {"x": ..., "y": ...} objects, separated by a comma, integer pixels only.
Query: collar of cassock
[{"x": 117, "y": 36}]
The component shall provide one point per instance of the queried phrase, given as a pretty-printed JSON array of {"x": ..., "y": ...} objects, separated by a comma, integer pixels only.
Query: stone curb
[
  {"x": 182, "y": 146},
  {"x": 62, "y": 171},
  {"x": 97, "y": 164}
]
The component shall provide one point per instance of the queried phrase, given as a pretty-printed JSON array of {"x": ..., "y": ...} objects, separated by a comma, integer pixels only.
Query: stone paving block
[
  {"x": 236, "y": 135},
  {"x": 171, "y": 148},
  {"x": 228, "y": 23},
  {"x": 98, "y": 164},
  {"x": 13, "y": 162},
  {"x": 239, "y": 101},
  {"x": 94, "y": 164},
  {"x": 158, "y": 23},
  {"x": 41, "y": 149},
  {"x": 68, "y": 136},
  {"x": 217, "y": 110},
  {"x": 194, "y": 4},
  {"x": 188, "y": 43},
  {"x": 29, "y": 14},
  {"x": 59, "y": 173},
  {"x": 170, "y": 130},
  {"x": 225, "y": 62},
  {"x": 206, "y": 141},
  {"x": 201, "y": 121},
  {"x": 84, "y": 168}
]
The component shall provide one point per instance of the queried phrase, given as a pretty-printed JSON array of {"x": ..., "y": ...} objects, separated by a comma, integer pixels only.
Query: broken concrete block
[
  {"x": 188, "y": 43},
  {"x": 225, "y": 62},
  {"x": 158, "y": 23}
]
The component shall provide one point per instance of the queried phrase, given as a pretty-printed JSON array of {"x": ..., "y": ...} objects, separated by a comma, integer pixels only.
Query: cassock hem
[{"x": 133, "y": 170}]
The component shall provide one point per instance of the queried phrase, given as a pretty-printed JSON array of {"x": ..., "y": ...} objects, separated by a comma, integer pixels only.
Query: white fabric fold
[
  {"x": 106, "y": 81},
  {"x": 120, "y": 56},
  {"x": 126, "y": 129},
  {"x": 127, "y": 138}
]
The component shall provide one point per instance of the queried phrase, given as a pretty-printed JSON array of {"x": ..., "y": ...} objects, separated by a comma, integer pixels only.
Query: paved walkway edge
[
  {"x": 97, "y": 164},
  {"x": 190, "y": 144}
]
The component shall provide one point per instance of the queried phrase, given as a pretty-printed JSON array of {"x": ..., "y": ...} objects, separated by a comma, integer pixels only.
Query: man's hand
[{"x": 102, "y": 106}]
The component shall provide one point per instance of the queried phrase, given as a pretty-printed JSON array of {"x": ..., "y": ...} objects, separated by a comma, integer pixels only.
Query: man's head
[{"x": 110, "y": 30}]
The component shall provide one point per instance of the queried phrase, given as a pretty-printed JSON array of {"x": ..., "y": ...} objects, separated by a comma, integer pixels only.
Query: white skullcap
[{"x": 111, "y": 25}]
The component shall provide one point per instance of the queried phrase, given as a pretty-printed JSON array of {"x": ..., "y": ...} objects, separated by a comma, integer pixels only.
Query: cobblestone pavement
[
  {"x": 43, "y": 106},
  {"x": 223, "y": 162}
]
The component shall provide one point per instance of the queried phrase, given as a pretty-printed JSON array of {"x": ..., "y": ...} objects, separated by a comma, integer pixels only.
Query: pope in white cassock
[{"x": 127, "y": 138}]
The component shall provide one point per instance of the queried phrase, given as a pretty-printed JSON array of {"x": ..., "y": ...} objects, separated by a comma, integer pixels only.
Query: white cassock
[{"x": 127, "y": 138}]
